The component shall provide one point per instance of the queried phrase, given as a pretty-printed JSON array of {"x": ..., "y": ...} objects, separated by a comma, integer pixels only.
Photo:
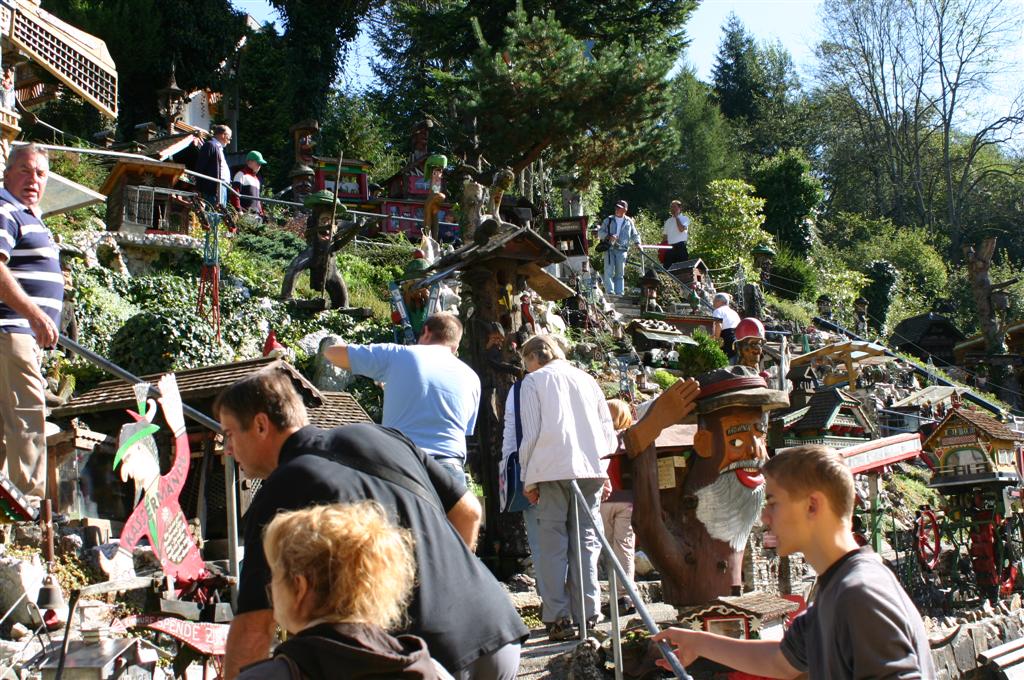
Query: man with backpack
[{"x": 616, "y": 234}]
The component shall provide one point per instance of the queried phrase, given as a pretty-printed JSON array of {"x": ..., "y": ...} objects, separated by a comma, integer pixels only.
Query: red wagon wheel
[{"x": 928, "y": 539}]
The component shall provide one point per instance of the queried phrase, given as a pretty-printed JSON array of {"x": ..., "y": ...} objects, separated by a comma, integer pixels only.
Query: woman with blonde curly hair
[{"x": 342, "y": 576}]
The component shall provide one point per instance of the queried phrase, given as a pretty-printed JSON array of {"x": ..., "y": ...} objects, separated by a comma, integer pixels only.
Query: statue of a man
[{"x": 694, "y": 521}]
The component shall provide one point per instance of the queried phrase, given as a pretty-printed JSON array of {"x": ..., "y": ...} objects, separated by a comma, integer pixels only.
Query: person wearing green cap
[{"x": 247, "y": 183}]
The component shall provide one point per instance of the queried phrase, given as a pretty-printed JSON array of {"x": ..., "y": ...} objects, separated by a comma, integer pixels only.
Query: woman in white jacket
[{"x": 567, "y": 432}]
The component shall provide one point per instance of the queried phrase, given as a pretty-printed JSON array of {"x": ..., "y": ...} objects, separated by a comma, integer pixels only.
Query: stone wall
[{"x": 961, "y": 640}]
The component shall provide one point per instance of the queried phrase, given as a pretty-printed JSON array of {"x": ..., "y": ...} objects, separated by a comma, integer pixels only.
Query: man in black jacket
[
  {"x": 211, "y": 161},
  {"x": 265, "y": 430}
]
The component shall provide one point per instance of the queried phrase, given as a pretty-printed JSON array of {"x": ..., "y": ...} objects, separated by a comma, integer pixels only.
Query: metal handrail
[{"x": 631, "y": 591}]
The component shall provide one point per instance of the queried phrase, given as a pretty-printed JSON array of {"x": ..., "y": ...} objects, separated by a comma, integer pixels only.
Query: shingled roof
[
  {"x": 822, "y": 408},
  {"x": 339, "y": 408},
  {"x": 912, "y": 329},
  {"x": 197, "y": 384},
  {"x": 987, "y": 424}
]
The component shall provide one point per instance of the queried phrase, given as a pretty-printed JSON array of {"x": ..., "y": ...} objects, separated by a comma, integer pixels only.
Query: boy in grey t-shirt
[{"x": 861, "y": 624}]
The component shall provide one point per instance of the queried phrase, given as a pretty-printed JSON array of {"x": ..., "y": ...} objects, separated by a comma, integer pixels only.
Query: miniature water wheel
[{"x": 928, "y": 538}]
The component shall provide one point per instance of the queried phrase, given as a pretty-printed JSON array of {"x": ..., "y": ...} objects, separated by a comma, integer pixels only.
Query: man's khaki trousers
[{"x": 23, "y": 412}]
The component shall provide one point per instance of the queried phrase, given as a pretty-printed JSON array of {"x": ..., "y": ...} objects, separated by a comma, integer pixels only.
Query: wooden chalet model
[
  {"x": 971, "y": 448},
  {"x": 141, "y": 197},
  {"x": 691, "y": 272},
  {"x": 406, "y": 191},
  {"x": 31, "y": 38},
  {"x": 353, "y": 183},
  {"x": 927, "y": 336},
  {"x": 832, "y": 417},
  {"x": 745, "y": 617}
]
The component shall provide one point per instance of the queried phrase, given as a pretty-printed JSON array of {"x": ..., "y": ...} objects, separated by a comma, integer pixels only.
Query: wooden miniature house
[
  {"x": 831, "y": 417},
  {"x": 744, "y": 617},
  {"x": 690, "y": 272},
  {"x": 927, "y": 336},
  {"x": 141, "y": 198},
  {"x": 970, "y": 448}
]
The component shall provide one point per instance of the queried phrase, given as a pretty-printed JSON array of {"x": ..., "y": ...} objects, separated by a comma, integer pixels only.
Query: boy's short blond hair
[{"x": 802, "y": 470}]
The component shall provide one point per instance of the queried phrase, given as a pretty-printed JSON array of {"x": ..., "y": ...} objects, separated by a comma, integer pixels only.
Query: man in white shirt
[
  {"x": 726, "y": 320},
  {"x": 677, "y": 234}
]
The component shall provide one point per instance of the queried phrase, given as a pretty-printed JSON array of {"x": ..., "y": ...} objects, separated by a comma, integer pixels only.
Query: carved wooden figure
[{"x": 694, "y": 520}]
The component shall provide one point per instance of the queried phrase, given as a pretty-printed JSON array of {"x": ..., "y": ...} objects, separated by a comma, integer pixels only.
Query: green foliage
[
  {"x": 799, "y": 311},
  {"x": 147, "y": 37},
  {"x": 730, "y": 226},
  {"x": 706, "y": 355},
  {"x": 423, "y": 45},
  {"x": 736, "y": 72},
  {"x": 916, "y": 254},
  {"x": 663, "y": 378},
  {"x": 705, "y": 153},
  {"x": 168, "y": 340},
  {"x": 792, "y": 277},
  {"x": 518, "y": 92},
  {"x": 840, "y": 282},
  {"x": 791, "y": 193},
  {"x": 315, "y": 36},
  {"x": 879, "y": 292}
]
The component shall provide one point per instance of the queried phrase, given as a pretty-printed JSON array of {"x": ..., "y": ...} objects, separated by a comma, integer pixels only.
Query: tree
[
  {"x": 912, "y": 69},
  {"x": 879, "y": 293},
  {"x": 791, "y": 193},
  {"x": 423, "y": 46},
  {"x": 315, "y": 36},
  {"x": 736, "y": 73},
  {"x": 147, "y": 37},
  {"x": 730, "y": 226},
  {"x": 706, "y": 152},
  {"x": 541, "y": 92}
]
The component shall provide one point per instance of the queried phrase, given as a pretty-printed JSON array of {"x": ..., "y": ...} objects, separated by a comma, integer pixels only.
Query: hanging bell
[{"x": 50, "y": 595}]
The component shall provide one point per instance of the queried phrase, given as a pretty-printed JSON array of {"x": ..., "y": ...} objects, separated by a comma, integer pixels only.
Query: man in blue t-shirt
[
  {"x": 430, "y": 396},
  {"x": 31, "y": 297}
]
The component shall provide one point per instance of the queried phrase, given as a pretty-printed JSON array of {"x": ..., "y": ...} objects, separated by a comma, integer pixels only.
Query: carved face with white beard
[
  {"x": 729, "y": 505},
  {"x": 728, "y": 508}
]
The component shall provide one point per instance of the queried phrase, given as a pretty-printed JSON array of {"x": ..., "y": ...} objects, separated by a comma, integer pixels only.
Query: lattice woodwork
[{"x": 77, "y": 69}]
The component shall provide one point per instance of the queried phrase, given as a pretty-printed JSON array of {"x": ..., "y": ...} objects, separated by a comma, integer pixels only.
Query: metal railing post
[
  {"x": 578, "y": 547},
  {"x": 613, "y": 610},
  {"x": 641, "y": 609}
]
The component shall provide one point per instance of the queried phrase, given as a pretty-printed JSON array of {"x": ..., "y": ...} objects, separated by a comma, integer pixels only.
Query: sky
[{"x": 794, "y": 23}]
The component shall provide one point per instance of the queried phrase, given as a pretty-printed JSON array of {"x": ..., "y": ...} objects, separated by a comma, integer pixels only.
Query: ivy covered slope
[{"x": 149, "y": 324}]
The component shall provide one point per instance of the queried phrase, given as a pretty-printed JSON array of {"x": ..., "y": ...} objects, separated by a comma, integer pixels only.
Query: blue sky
[{"x": 794, "y": 23}]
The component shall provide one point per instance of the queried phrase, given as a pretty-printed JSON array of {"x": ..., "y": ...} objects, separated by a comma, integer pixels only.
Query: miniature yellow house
[{"x": 970, "y": 448}]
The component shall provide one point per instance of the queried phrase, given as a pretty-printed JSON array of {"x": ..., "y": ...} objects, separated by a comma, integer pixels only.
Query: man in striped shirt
[{"x": 31, "y": 295}]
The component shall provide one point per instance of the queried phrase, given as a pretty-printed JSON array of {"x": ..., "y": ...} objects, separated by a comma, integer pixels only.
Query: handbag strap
[
  {"x": 380, "y": 472},
  {"x": 519, "y": 419}
]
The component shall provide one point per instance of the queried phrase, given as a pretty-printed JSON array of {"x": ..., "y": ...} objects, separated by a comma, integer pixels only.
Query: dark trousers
[{"x": 679, "y": 253}]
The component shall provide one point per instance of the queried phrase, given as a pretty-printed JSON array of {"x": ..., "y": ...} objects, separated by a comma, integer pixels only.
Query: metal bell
[{"x": 50, "y": 595}]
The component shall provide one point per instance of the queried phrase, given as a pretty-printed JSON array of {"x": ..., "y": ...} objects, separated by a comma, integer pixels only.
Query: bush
[
  {"x": 798, "y": 312},
  {"x": 169, "y": 340},
  {"x": 706, "y": 355},
  {"x": 663, "y": 378},
  {"x": 730, "y": 226},
  {"x": 792, "y": 277}
]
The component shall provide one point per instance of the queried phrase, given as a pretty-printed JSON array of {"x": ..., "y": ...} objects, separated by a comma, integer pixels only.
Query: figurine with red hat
[{"x": 749, "y": 343}]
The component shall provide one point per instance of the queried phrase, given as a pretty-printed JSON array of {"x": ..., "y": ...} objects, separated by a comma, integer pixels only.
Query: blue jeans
[
  {"x": 453, "y": 468},
  {"x": 614, "y": 271}
]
